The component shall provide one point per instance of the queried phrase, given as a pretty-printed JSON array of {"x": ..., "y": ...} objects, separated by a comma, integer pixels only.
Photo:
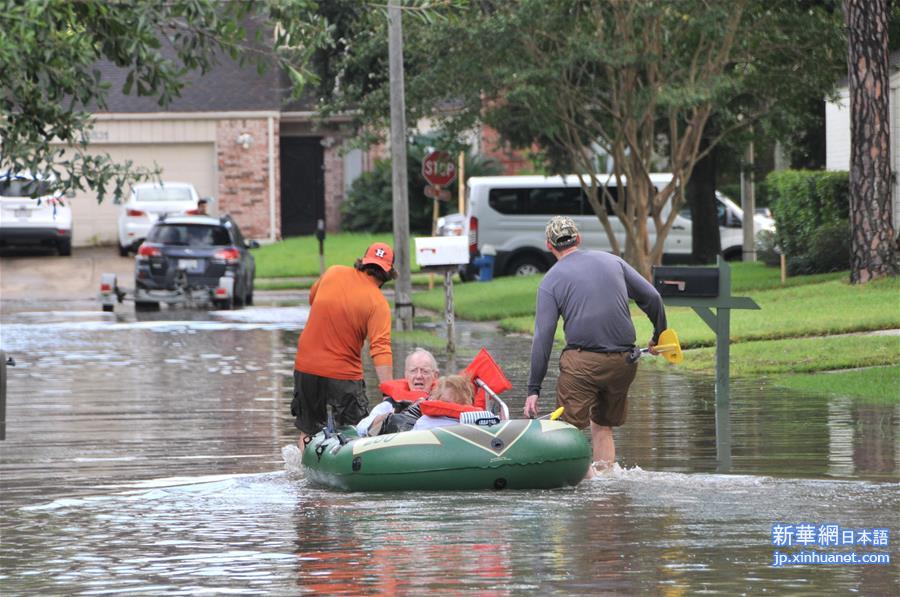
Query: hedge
[{"x": 811, "y": 211}]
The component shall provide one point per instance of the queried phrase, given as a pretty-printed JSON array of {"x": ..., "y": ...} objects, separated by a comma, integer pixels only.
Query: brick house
[{"x": 266, "y": 162}]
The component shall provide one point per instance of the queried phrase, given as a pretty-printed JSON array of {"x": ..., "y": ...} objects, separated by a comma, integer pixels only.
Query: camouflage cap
[{"x": 562, "y": 232}]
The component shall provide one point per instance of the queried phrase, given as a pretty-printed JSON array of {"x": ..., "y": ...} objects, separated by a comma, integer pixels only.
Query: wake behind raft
[{"x": 507, "y": 454}]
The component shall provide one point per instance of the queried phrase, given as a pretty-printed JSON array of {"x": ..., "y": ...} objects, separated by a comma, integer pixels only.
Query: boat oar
[
  {"x": 669, "y": 347},
  {"x": 554, "y": 415}
]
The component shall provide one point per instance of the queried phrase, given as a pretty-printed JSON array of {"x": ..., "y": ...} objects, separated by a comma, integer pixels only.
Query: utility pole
[
  {"x": 403, "y": 284},
  {"x": 748, "y": 204}
]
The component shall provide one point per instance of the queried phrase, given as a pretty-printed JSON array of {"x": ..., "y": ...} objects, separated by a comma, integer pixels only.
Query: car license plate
[
  {"x": 23, "y": 213},
  {"x": 187, "y": 264}
]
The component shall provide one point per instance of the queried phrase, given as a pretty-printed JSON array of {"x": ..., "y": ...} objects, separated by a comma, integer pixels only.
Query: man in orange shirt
[{"x": 346, "y": 308}]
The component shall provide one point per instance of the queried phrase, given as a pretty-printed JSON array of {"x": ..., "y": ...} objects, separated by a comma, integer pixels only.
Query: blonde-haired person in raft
[{"x": 456, "y": 389}]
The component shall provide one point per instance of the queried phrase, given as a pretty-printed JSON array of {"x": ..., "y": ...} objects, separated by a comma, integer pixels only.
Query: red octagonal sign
[{"x": 438, "y": 168}]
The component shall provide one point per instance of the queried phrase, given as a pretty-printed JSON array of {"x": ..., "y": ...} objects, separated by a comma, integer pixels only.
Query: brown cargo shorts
[{"x": 593, "y": 386}]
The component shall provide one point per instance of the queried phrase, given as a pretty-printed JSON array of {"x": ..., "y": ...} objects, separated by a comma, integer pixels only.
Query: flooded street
[{"x": 145, "y": 454}]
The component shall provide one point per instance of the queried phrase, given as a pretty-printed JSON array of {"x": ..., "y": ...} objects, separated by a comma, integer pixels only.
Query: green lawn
[
  {"x": 787, "y": 339},
  {"x": 759, "y": 276},
  {"x": 875, "y": 385},
  {"x": 790, "y": 338},
  {"x": 810, "y": 310},
  {"x": 511, "y": 297},
  {"x": 299, "y": 255},
  {"x": 797, "y": 355},
  {"x": 297, "y": 258},
  {"x": 417, "y": 280}
]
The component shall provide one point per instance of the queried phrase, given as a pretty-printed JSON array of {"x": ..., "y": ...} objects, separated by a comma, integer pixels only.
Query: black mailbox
[{"x": 700, "y": 282}]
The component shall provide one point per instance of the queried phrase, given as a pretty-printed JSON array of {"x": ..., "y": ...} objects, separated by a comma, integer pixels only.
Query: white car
[
  {"x": 31, "y": 214},
  {"x": 148, "y": 203}
]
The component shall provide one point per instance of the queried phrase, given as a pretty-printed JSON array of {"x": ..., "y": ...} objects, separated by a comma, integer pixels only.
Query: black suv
[{"x": 186, "y": 254}]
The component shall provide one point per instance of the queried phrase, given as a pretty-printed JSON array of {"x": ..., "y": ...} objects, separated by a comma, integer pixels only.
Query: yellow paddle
[
  {"x": 555, "y": 414},
  {"x": 669, "y": 346}
]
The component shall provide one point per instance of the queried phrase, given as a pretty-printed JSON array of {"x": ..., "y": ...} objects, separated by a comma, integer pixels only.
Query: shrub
[
  {"x": 369, "y": 204},
  {"x": 829, "y": 251},
  {"x": 767, "y": 249},
  {"x": 809, "y": 207},
  {"x": 364, "y": 207}
]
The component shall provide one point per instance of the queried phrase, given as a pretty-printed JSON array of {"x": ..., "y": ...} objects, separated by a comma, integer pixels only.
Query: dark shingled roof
[{"x": 227, "y": 86}]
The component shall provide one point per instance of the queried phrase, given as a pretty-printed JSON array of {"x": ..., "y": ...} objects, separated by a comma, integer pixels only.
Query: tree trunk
[
  {"x": 701, "y": 197},
  {"x": 872, "y": 251}
]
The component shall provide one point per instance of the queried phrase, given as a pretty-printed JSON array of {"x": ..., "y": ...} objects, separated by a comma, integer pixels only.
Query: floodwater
[{"x": 155, "y": 455}]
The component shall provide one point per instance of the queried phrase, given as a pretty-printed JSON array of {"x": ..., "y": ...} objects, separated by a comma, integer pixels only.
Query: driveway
[{"x": 45, "y": 276}]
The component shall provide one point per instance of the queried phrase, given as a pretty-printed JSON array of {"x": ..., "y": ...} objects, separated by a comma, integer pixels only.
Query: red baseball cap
[{"x": 381, "y": 254}]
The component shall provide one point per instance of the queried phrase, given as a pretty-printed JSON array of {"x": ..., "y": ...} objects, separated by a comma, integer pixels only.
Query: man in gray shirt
[{"x": 590, "y": 290}]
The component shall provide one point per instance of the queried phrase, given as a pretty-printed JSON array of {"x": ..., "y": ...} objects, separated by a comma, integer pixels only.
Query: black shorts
[{"x": 312, "y": 393}]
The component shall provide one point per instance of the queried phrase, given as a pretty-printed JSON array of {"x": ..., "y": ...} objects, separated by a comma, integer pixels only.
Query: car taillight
[
  {"x": 147, "y": 251},
  {"x": 473, "y": 235},
  {"x": 228, "y": 255},
  {"x": 135, "y": 213}
]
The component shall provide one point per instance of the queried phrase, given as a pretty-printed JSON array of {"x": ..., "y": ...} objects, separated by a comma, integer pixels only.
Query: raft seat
[{"x": 479, "y": 417}]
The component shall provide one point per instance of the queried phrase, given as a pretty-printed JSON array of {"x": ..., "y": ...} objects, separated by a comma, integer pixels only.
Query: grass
[
  {"x": 512, "y": 297},
  {"x": 788, "y": 340},
  {"x": 759, "y": 276},
  {"x": 875, "y": 385},
  {"x": 798, "y": 355},
  {"x": 485, "y": 301},
  {"x": 818, "y": 309},
  {"x": 417, "y": 280},
  {"x": 299, "y": 256}
]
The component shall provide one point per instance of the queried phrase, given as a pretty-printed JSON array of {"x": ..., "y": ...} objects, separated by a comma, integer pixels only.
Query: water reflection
[{"x": 145, "y": 454}]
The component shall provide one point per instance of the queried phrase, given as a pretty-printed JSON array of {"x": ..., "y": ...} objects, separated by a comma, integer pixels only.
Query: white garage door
[{"x": 184, "y": 162}]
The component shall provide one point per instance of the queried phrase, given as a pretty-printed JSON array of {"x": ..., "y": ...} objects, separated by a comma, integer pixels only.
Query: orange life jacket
[
  {"x": 439, "y": 408},
  {"x": 399, "y": 389}
]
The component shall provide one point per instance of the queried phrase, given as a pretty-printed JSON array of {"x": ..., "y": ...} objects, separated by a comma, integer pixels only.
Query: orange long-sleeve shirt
[{"x": 346, "y": 307}]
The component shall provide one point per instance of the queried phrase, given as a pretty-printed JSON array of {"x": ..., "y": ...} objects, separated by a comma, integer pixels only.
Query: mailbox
[
  {"x": 700, "y": 282},
  {"x": 438, "y": 251}
]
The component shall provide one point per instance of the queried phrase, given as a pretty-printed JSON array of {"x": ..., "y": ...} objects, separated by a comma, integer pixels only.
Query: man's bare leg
[
  {"x": 301, "y": 441},
  {"x": 604, "y": 446}
]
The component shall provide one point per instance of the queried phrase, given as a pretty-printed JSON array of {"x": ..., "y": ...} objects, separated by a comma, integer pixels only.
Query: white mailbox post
[{"x": 444, "y": 254}]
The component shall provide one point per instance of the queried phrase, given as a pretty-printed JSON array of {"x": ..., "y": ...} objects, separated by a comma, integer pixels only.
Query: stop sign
[{"x": 438, "y": 168}]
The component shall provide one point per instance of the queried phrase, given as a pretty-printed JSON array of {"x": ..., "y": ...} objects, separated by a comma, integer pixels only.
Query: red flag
[{"x": 484, "y": 367}]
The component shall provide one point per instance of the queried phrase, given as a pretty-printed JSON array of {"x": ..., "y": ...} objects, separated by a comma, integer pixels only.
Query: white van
[{"x": 509, "y": 213}]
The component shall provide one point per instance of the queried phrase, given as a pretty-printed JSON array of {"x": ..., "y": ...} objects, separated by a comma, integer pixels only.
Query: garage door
[{"x": 184, "y": 162}]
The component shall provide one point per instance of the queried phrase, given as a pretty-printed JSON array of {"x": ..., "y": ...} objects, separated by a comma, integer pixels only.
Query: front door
[{"x": 302, "y": 185}]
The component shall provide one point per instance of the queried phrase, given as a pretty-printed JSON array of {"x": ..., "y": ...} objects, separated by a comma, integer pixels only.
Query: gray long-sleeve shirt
[{"x": 590, "y": 289}]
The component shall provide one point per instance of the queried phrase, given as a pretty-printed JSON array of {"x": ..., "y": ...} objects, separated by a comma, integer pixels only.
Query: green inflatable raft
[{"x": 513, "y": 454}]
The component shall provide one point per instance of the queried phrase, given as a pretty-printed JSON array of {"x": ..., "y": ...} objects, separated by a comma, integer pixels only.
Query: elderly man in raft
[{"x": 426, "y": 401}]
